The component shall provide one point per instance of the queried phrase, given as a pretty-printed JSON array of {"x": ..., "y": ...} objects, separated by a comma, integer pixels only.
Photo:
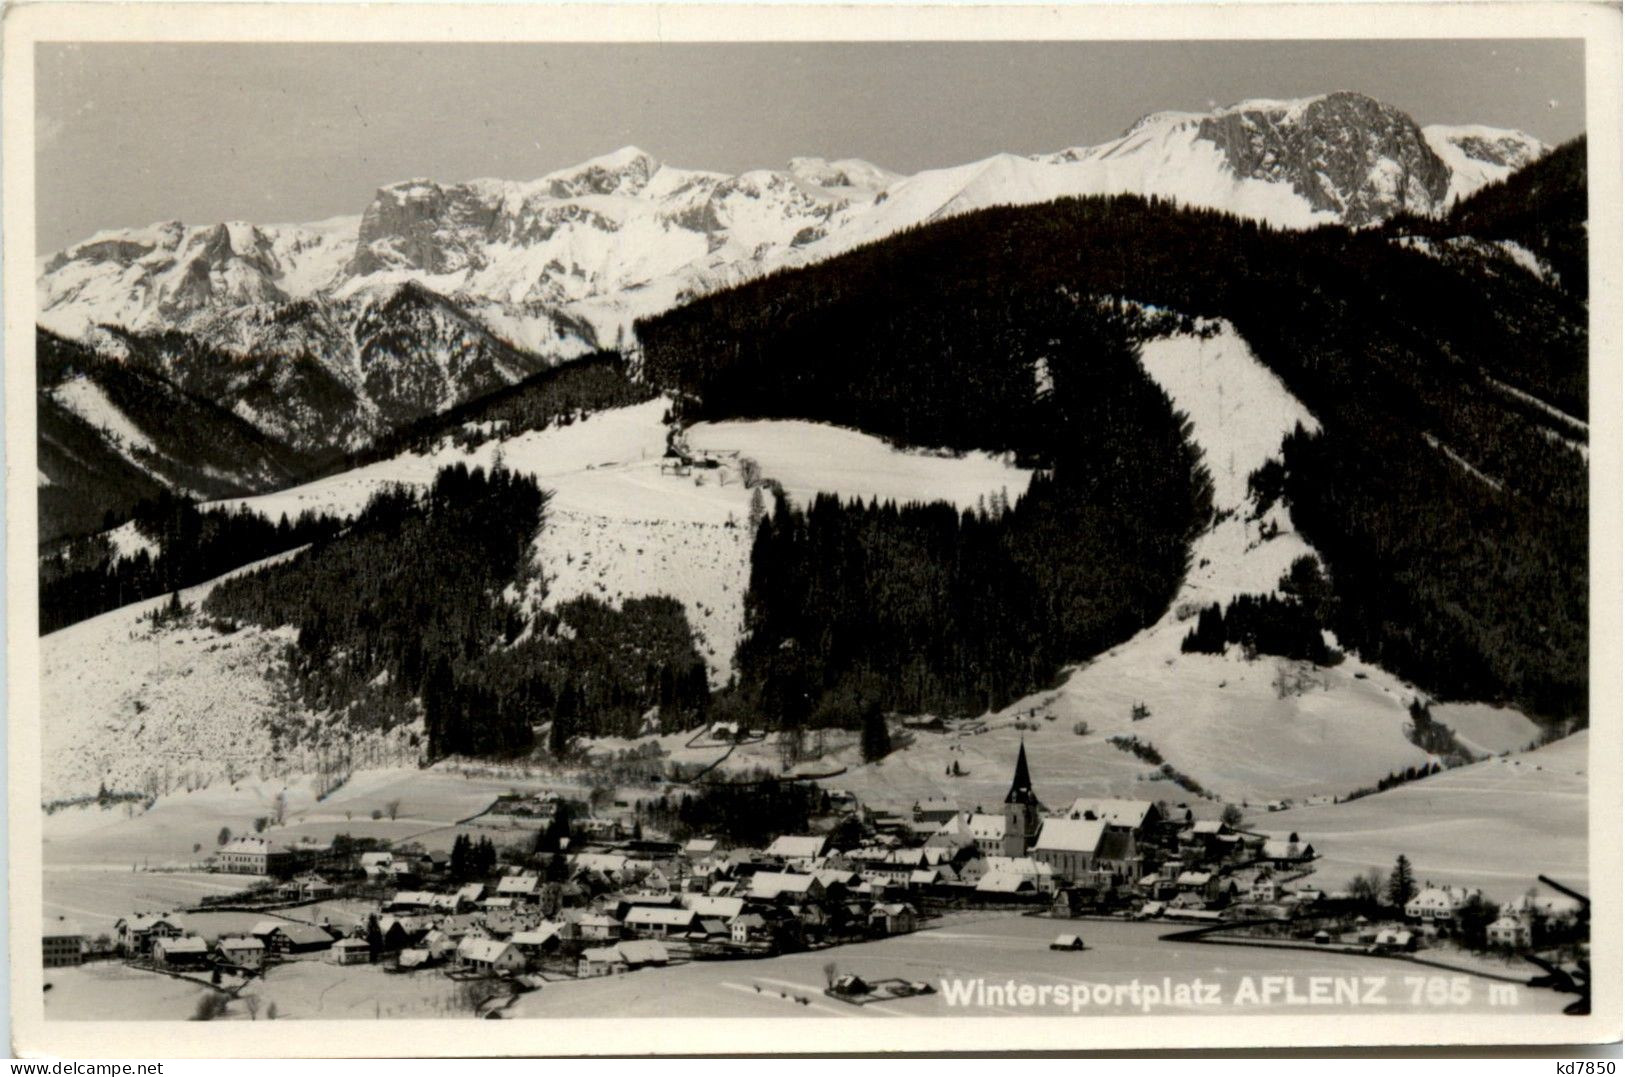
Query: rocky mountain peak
[{"x": 1344, "y": 152}]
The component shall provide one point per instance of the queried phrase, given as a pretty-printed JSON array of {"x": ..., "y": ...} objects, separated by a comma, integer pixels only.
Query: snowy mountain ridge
[{"x": 564, "y": 263}]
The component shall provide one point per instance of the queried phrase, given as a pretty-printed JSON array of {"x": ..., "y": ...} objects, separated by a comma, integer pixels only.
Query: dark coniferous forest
[{"x": 1451, "y": 514}]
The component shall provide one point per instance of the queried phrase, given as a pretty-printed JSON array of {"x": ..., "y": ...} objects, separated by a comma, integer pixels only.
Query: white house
[
  {"x": 490, "y": 955},
  {"x": 349, "y": 952},
  {"x": 244, "y": 951},
  {"x": 1438, "y": 903},
  {"x": 1509, "y": 931}
]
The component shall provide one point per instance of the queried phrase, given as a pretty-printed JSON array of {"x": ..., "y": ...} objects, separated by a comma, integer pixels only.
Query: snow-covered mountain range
[
  {"x": 563, "y": 263},
  {"x": 326, "y": 335}
]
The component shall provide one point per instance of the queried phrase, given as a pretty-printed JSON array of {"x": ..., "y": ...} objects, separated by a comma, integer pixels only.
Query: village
[{"x": 583, "y": 896}]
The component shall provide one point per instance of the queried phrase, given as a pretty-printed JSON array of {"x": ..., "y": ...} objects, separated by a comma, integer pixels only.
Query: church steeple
[
  {"x": 1021, "y": 810},
  {"x": 1021, "y": 786}
]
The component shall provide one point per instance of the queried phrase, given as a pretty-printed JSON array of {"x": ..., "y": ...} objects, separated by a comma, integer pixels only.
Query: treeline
[
  {"x": 86, "y": 577},
  {"x": 415, "y": 609},
  {"x": 1472, "y": 588}
]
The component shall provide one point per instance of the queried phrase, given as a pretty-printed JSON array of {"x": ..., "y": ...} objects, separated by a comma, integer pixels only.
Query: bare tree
[
  {"x": 393, "y": 807},
  {"x": 251, "y": 1003}
]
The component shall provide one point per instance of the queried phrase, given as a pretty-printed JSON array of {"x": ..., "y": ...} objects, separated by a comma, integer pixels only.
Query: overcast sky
[{"x": 132, "y": 134}]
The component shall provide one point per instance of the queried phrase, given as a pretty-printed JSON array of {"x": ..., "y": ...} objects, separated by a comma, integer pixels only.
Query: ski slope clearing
[
  {"x": 1244, "y": 730},
  {"x": 811, "y": 458},
  {"x": 1495, "y": 824}
]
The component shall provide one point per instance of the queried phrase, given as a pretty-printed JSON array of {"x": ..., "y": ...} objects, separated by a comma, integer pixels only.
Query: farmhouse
[
  {"x": 799, "y": 849},
  {"x": 519, "y": 887},
  {"x": 134, "y": 935},
  {"x": 185, "y": 952},
  {"x": 639, "y": 953},
  {"x": 656, "y": 922},
  {"x": 296, "y": 938},
  {"x": 544, "y": 938},
  {"x": 599, "y": 926},
  {"x": 897, "y": 918},
  {"x": 244, "y": 951},
  {"x": 1287, "y": 854},
  {"x": 772, "y": 885},
  {"x": 722, "y": 908},
  {"x": 600, "y": 961}
]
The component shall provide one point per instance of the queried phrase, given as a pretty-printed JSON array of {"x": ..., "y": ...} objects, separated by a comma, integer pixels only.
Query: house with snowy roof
[
  {"x": 774, "y": 885},
  {"x": 489, "y": 956},
  {"x": 1438, "y": 903},
  {"x": 799, "y": 849},
  {"x": 653, "y": 921}
]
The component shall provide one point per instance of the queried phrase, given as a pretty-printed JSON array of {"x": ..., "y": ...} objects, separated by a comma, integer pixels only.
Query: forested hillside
[
  {"x": 1542, "y": 208},
  {"x": 1451, "y": 513},
  {"x": 406, "y": 613},
  {"x": 921, "y": 609},
  {"x": 112, "y": 433}
]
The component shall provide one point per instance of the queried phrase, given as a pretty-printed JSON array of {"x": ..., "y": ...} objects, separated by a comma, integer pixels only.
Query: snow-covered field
[
  {"x": 112, "y": 991},
  {"x": 811, "y": 458},
  {"x": 993, "y": 947},
  {"x": 1495, "y": 824}
]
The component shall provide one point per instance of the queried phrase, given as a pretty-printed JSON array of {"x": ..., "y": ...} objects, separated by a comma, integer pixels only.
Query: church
[
  {"x": 1073, "y": 845},
  {"x": 1011, "y": 832}
]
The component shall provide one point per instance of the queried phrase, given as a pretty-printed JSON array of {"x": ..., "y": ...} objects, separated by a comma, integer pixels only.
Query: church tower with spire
[{"x": 1022, "y": 811}]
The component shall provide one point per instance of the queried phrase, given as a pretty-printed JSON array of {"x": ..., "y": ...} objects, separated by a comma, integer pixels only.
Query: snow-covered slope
[
  {"x": 1245, "y": 730},
  {"x": 566, "y": 262},
  {"x": 625, "y": 522},
  {"x": 140, "y": 706}
]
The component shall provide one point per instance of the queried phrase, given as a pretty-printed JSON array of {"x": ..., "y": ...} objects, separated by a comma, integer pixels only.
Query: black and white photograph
[{"x": 848, "y": 536}]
